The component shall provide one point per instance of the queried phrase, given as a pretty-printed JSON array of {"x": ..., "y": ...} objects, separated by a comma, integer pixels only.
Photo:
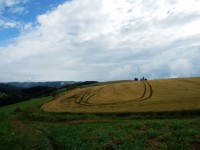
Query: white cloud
[
  {"x": 12, "y": 7},
  {"x": 107, "y": 40},
  {"x": 18, "y": 10},
  {"x": 10, "y": 3},
  {"x": 7, "y": 24}
]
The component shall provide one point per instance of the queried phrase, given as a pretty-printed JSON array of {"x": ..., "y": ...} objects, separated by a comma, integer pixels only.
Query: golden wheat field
[{"x": 131, "y": 96}]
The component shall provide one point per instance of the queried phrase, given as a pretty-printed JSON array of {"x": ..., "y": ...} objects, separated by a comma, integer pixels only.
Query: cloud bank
[{"x": 107, "y": 40}]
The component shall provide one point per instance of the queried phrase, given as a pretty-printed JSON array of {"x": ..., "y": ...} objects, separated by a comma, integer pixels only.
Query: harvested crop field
[{"x": 131, "y": 96}]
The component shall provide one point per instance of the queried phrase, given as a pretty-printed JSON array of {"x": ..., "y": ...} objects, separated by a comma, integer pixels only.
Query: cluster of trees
[
  {"x": 77, "y": 85},
  {"x": 11, "y": 99},
  {"x": 12, "y": 94},
  {"x": 142, "y": 79}
]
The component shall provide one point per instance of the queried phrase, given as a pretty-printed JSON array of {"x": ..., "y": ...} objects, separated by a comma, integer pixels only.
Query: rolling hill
[{"x": 131, "y": 96}]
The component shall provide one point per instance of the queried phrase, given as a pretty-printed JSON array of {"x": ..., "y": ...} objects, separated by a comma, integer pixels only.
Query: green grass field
[
  {"x": 85, "y": 131},
  {"x": 26, "y": 126},
  {"x": 14, "y": 134}
]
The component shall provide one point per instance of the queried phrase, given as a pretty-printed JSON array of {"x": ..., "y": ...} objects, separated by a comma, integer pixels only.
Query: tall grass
[{"x": 137, "y": 134}]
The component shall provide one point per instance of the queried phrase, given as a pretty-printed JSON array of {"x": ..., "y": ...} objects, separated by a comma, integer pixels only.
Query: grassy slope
[
  {"x": 130, "y": 96},
  {"x": 88, "y": 132},
  {"x": 13, "y": 134}
]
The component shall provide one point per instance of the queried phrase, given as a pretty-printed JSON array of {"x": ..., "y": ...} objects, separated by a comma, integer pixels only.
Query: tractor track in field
[
  {"x": 149, "y": 95},
  {"x": 84, "y": 97},
  {"x": 144, "y": 91},
  {"x": 89, "y": 97},
  {"x": 79, "y": 98}
]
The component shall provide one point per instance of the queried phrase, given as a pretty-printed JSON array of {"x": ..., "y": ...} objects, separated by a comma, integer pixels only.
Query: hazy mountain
[
  {"x": 8, "y": 89},
  {"x": 56, "y": 84}
]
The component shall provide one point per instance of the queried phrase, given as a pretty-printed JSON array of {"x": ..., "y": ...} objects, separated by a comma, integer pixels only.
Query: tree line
[{"x": 11, "y": 94}]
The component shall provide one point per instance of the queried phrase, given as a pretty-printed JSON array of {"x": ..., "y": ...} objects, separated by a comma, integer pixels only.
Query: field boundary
[{"x": 100, "y": 116}]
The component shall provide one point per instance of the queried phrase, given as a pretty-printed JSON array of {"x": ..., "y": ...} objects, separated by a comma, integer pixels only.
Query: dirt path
[
  {"x": 51, "y": 142},
  {"x": 19, "y": 126}
]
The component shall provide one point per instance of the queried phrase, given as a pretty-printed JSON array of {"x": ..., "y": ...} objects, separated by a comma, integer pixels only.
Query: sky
[{"x": 102, "y": 40}]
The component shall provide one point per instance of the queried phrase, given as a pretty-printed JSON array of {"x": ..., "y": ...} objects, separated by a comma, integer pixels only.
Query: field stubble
[{"x": 131, "y": 96}]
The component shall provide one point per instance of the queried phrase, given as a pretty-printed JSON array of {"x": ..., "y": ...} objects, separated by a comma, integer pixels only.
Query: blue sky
[
  {"x": 23, "y": 12},
  {"x": 48, "y": 40}
]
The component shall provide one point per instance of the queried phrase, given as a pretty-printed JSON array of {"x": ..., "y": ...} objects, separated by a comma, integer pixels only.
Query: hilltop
[{"x": 131, "y": 96}]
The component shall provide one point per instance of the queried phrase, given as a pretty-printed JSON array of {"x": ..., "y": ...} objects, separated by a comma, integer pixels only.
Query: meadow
[{"x": 26, "y": 126}]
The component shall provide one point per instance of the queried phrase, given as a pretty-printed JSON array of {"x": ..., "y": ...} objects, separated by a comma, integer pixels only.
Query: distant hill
[
  {"x": 9, "y": 89},
  {"x": 56, "y": 84},
  {"x": 14, "y": 92}
]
